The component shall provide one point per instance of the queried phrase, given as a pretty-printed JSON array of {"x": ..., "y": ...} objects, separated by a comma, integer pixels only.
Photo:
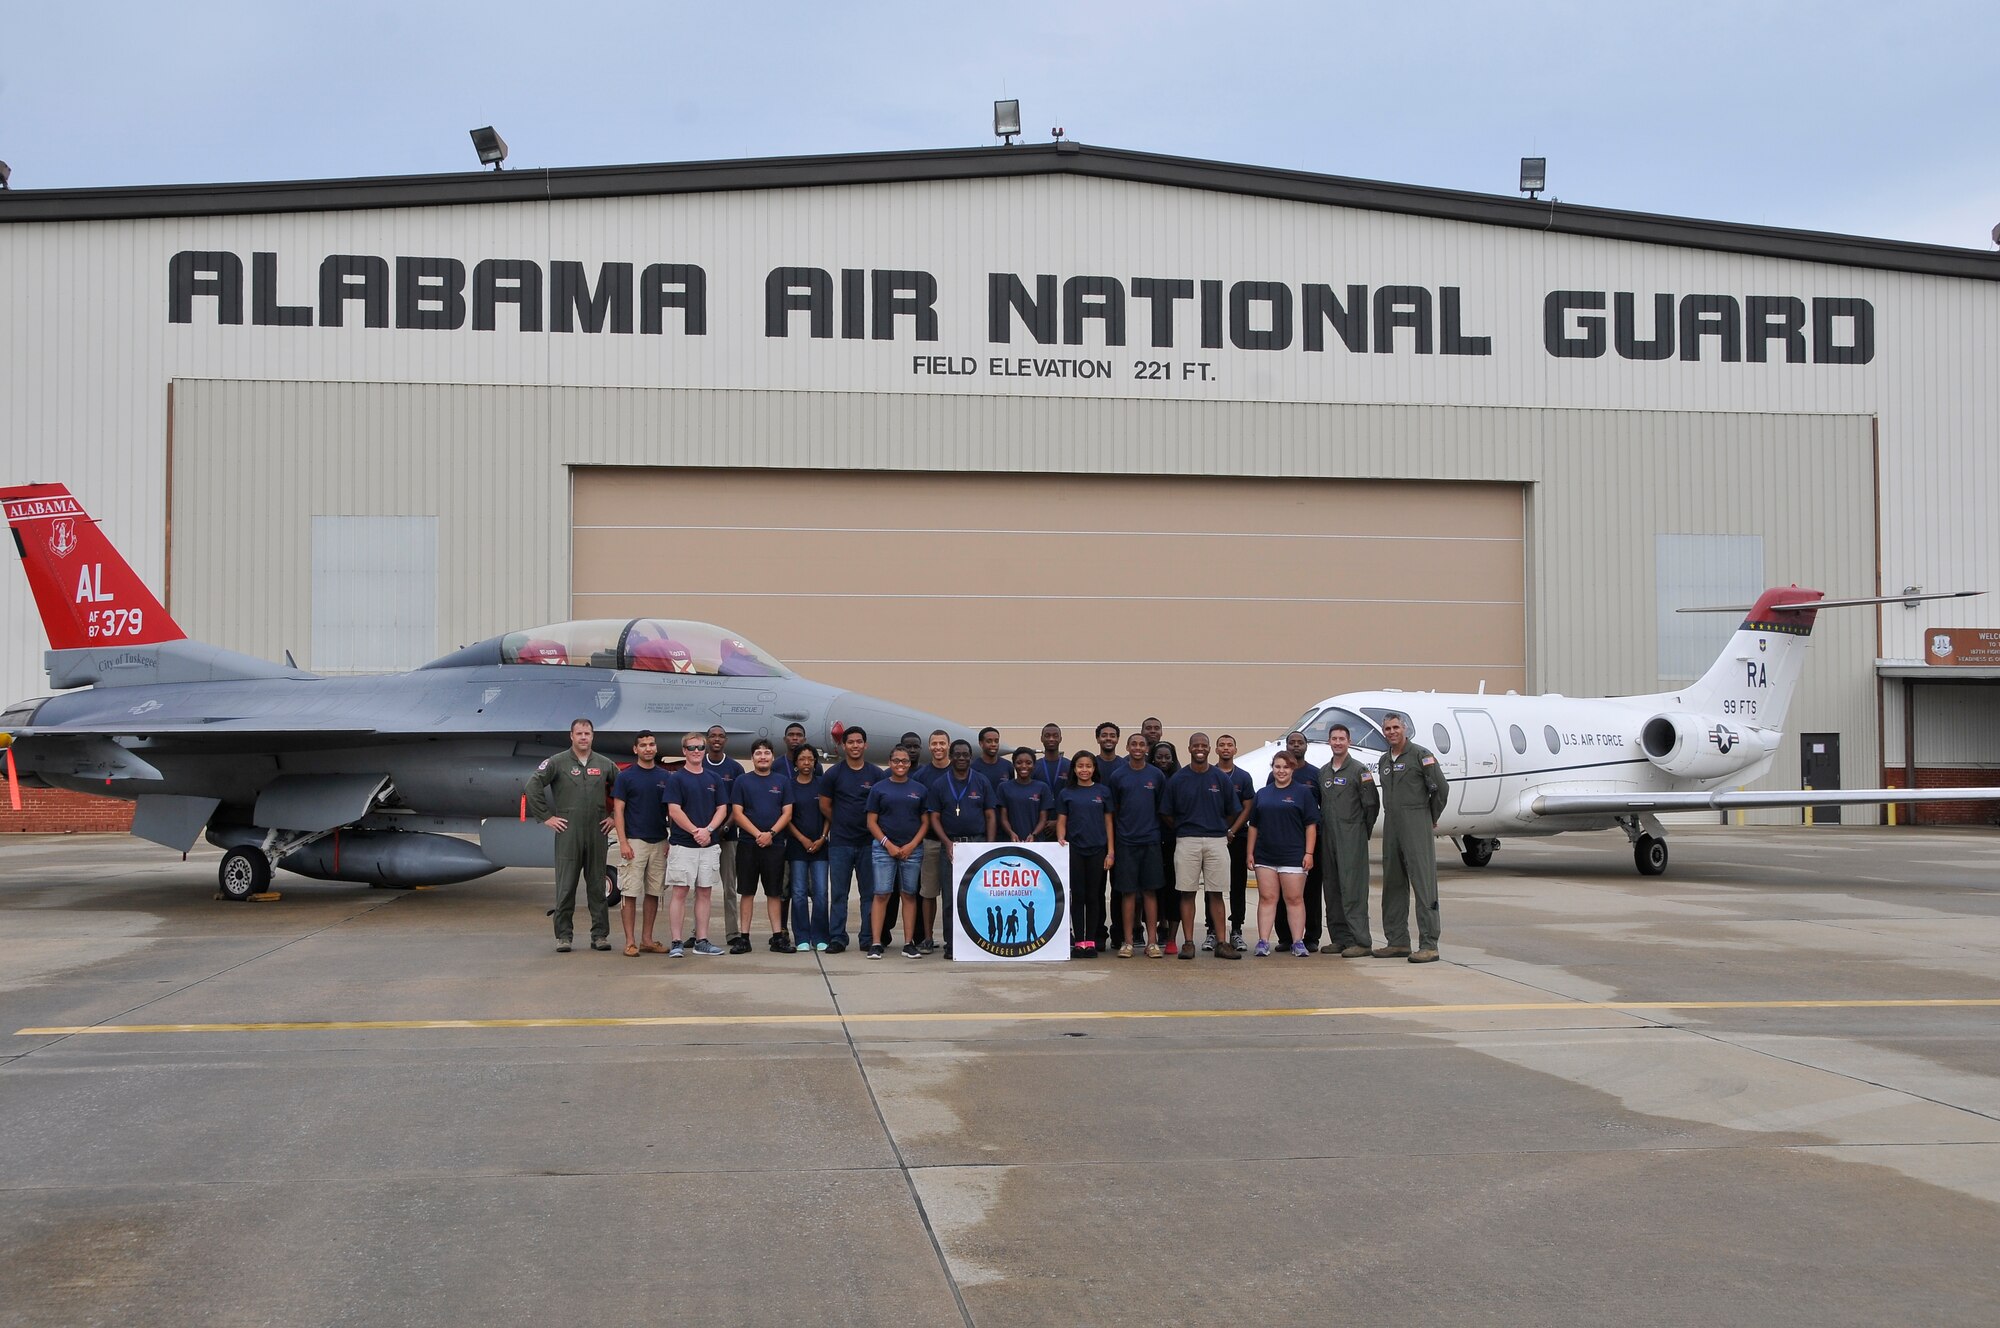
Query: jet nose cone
[{"x": 885, "y": 721}]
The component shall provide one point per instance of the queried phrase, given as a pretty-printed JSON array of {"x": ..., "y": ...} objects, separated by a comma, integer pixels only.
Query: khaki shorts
[
  {"x": 935, "y": 867},
  {"x": 691, "y": 865},
  {"x": 646, "y": 871},
  {"x": 1201, "y": 864}
]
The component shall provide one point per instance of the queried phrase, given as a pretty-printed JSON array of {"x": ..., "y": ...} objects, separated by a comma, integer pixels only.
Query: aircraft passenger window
[
  {"x": 1549, "y": 736},
  {"x": 1520, "y": 739},
  {"x": 1440, "y": 739}
]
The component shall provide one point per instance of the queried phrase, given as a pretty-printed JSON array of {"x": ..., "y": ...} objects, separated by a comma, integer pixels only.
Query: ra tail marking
[
  {"x": 88, "y": 595},
  {"x": 1757, "y": 672}
]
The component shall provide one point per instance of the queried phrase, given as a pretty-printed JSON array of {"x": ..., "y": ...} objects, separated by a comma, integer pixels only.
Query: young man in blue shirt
[
  {"x": 843, "y": 800},
  {"x": 761, "y": 809},
  {"x": 696, "y": 807},
  {"x": 639, "y": 819},
  {"x": 1202, "y": 804},
  {"x": 1137, "y": 874}
]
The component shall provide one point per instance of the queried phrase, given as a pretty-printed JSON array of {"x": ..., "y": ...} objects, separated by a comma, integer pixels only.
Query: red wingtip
[{"x": 87, "y": 594}]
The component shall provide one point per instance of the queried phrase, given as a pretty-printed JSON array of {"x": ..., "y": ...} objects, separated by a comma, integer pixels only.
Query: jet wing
[{"x": 1615, "y": 804}]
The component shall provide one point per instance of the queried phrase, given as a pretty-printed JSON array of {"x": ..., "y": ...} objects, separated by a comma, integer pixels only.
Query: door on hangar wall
[{"x": 1216, "y": 603}]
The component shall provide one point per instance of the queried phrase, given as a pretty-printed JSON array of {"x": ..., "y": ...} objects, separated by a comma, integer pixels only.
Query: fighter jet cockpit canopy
[{"x": 654, "y": 645}]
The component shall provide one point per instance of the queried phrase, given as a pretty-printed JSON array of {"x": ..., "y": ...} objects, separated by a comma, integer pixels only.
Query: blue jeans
[
  {"x": 846, "y": 862},
  {"x": 809, "y": 901},
  {"x": 893, "y": 874}
]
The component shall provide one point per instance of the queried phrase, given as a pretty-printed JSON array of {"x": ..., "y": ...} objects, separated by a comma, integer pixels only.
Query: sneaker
[
  {"x": 598, "y": 943},
  {"x": 704, "y": 946},
  {"x": 1355, "y": 952},
  {"x": 820, "y": 947},
  {"x": 1224, "y": 950},
  {"x": 1236, "y": 938},
  {"x": 1299, "y": 950},
  {"x": 1391, "y": 952},
  {"x": 804, "y": 947},
  {"x": 779, "y": 942},
  {"x": 675, "y": 951},
  {"x": 1088, "y": 947},
  {"x": 1169, "y": 948},
  {"x": 1312, "y": 947},
  {"x": 1155, "y": 951},
  {"x": 740, "y": 943},
  {"x": 874, "y": 952},
  {"x": 1187, "y": 952},
  {"x": 689, "y": 942},
  {"x": 562, "y": 947},
  {"x": 1208, "y": 942},
  {"x": 927, "y": 945},
  {"x": 1125, "y": 950},
  {"x": 835, "y": 947},
  {"x": 1425, "y": 956},
  {"x": 913, "y": 951},
  {"x": 1263, "y": 949}
]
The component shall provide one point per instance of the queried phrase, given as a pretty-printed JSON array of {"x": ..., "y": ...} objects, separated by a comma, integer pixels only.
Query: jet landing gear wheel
[
  {"x": 1477, "y": 852},
  {"x": 244, "y": 872},
  {"x": 1650, "y": 853}
]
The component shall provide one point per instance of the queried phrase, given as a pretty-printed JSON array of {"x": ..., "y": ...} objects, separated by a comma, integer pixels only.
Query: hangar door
[{"x": 1215, "y": 603}]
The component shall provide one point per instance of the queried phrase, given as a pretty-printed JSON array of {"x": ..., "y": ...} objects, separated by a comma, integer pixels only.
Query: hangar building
[{"x": 1033, "y": 432}]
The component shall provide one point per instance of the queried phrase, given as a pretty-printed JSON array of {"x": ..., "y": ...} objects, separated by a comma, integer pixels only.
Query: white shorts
[{"x": 691, "y": 865}]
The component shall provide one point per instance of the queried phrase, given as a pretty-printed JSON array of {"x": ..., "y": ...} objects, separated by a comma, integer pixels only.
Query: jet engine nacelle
[{"x": 1698, "y": 747}]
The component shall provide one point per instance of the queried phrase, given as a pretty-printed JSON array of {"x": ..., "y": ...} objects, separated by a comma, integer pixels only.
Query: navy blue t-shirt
[
  {"x": 1201, "y": 803},
  {"x": 1085, "y": 807},
  {"x": 1281, "y": 816},
  {"x": 697, "y": 795},
  {"x": 644, "y": 794},
  {"x": 928, "y": 774},
  {"x": 847, "y": 789},
  {"x": 1052, "y": 774},
  {"x": 728, "y": 770},
  {"x": 807, "y": 819},
  {"x": 898, "y": 808},
  {"x": 1139, "y": 794},
  {"x": 996, "y": 774},
  {"x": 1021, "y": 805},
  {"x": 961, "y": 807},
  {"x": 1246, "y": 787},
  {"x": 1307, "y": 774},
  {"x": 762, "y": 797}
]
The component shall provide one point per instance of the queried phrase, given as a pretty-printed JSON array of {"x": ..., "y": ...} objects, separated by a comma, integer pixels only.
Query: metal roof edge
[{"x": 948, "y": 164}]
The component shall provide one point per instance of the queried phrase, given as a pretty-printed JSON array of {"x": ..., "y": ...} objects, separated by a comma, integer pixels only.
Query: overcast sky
[{"x": 1870, "y": 118}]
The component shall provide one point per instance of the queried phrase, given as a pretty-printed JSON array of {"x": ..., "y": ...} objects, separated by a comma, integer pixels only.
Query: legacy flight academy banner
[{"x": 1011, "y": 902}]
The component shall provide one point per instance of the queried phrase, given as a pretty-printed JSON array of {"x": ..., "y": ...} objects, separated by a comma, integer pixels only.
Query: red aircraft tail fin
[{"x": 89, "y": 596}]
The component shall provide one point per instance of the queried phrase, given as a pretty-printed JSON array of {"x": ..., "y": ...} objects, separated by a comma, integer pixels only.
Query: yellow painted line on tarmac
[{"x": 997, "y": 1017}]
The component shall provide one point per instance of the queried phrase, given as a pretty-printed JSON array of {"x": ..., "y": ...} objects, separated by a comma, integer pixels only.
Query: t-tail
[
  {"x": 1757, "y": 672},
  {"x": 88, "y": 595}
]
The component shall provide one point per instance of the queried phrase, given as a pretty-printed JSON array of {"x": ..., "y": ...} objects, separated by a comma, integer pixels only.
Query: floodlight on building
[
  {"x": 1007, "y": 121},
  {"x": 6, "y": 174},
  {"x": 492, "y": 148},
  {"x": 1534, "y": 175}
]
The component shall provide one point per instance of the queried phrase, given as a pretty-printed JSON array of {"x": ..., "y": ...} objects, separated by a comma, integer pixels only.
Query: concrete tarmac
[{"x": 1764, "y": 1089}]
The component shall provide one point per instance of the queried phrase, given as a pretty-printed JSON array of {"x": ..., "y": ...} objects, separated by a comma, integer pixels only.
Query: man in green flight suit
[
  {"x": 1348, "y": 806},
  {"x": 1413, "y": 797},
  {"x": 569, "y": 793}
]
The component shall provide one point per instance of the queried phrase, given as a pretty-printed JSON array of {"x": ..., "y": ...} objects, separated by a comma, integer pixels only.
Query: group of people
[{"x": 1175, "y": 844}]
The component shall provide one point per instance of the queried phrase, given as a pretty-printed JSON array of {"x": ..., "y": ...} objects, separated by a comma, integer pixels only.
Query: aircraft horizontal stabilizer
[
  {"x": 1832, "y": 603},
  {"x": 1613, "y": 804}
]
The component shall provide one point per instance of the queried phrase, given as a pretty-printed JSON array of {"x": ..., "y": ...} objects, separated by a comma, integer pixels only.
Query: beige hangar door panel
[{"x": 1215, "y": 603}]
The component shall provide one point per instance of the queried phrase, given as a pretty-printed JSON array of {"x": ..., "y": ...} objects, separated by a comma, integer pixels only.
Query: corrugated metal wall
[
  {"x": 86, "y": 351},
  {"x": 255, "y": 460},
  {"x": 1958, "y": 724}
]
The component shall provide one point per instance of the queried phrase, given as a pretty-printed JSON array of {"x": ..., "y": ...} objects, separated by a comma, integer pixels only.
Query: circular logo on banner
[{"x": 1011, "y": 905}]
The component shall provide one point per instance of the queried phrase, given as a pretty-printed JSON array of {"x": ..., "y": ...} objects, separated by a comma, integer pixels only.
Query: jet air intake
[{"x": 1698, "y": 747}]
